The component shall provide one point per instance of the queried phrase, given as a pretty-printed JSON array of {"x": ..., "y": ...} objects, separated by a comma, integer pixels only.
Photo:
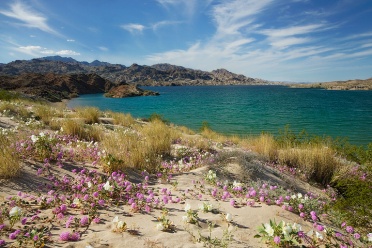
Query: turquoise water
[{"x": 249, "y": 110}]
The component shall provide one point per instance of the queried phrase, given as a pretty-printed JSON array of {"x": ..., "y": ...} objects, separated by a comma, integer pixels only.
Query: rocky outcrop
[
  {"x": 126, "y": 90},
  {"x": 143, "y": 75},
  {"x": 55, "y": 87}
]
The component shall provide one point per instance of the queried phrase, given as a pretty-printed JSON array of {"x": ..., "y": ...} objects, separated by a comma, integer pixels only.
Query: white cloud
[
  {"x": 42, "y": 51},
  {"x": 67, "y": 52},
  {"x": 291, "y": 31},
  {"x": 187, "y": 8},
  {"x": 29, "y": 17},
  {"x": 133, "y": 28},
  {"x": 102, "y": 48},
  {"x": 230, "y": 17},
  {"x": 160, "y": 24},
  {"x": 70, "y": 40}
]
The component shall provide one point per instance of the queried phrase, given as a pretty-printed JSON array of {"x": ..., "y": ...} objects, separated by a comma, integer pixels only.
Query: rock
[{"x": 126, "y": 90}]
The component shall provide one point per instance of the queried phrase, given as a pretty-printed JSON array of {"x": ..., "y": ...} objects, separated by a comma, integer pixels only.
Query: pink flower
[
  {"x": 301, "y": 206},
  {"x": 2, "y": 242},
  {"x": 24, "y": 220},
  {"x": 302, "y": 215},
  {"x": 64, "y": 236},
  {"x": 276, "y": 239},
  {"x": 12, "y": 236},
  {"x": 232, "y": 202},
  {"x": 356, "y": 235},
  {"x": 96, "y": 220},
  {"x": 74, "y": 236},
  {"x": 349, "y": 229},
  {"x": 84, "y": 221},
  {"x": 320, "y": 228}
]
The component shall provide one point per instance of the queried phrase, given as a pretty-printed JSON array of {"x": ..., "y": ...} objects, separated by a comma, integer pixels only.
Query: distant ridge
[{"x": 143, "y": 75}]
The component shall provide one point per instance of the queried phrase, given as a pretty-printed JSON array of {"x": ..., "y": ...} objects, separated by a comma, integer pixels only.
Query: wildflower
[
  {"x": 232, "y": 202},
  {"x": 269, "y": 230},
  {"x": 369, "y": 237},
  {"x": 74, "y": 236},
  {"x": 349, "y": 229},
  {"x": 76, "y": 202},
  {"x": 185, "y": 218},
  {"x": 296, "y": 227},
  {"x": 2, "y": 242},
  {"x": 108, "y": 187},
  {"x": 356, "y": 235},
  {"x": 276, "y": 239},
  {"x": 23, "y": 221},
  {"x": 34, "y": 138},
  {"x": 120, "y": 224},
  {"x": 320, "y": 228},
  {"x": 96, "y": 220},
  {"x": 187, "y": 207},
  {"x": 12, "y": 236},
  {"x": 159, "y": 226},
  {"x": 15, "y": 211},
  {"x": 318, "y": 235},
  {"x": 228, "y": 217},
  {"x": 84, "y": 221},
  {"x": 302, "y": 215},
  {"x": 287, "y": 230}
]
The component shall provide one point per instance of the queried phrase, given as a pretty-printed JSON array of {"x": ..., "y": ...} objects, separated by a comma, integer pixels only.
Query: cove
[{"x": 250, "y": 110}]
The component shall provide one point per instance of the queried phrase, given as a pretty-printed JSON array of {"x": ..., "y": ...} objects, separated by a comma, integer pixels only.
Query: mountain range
[{"x": 141, "y": 75}]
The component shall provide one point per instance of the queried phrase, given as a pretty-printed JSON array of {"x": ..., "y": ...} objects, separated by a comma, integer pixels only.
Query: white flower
[
  {"x": 187, "y": 207},
  {"x": 120, "y": 224},
  {"x": 299, "y": 195},
  {"x": 269, "y": 230},
  {"x": 236, "y": 184},
  {"x": 76, "y": 202},
  {"x": 41, "y": 134},
  {"x": 115, "y": 220},
  {"x": 318, "y": 235},
  {"x": 16, "y": 211},
  {"x": 108, "y": 187},
  {"x": 296, "y": 227},
  {"x": 228, "y": 217},
  {"x": 89, "y": 184},
  {"x": 209, "y": 207},
  {"x": 287, "y": 230},
  {"x": 34, "y": 138},
  {"x": 369, "y": 236},
  {"x": 185, "y": 218},
  {"x": 159, "y": 226},
  {"x": 293, "y": 196}
]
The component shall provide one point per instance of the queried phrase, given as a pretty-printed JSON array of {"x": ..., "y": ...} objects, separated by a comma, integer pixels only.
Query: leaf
[{"x": 257, "y": 236}]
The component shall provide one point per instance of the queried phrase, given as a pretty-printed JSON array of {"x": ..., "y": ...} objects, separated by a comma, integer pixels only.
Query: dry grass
[
  {"x": 90, "y": 115},
  {"x": 46, "y": 113},
  {"x": 15, "y": 109},
  {"x": 317, "y": 162},
  {"x": 76, "y": 127},
  {"x": 141, "y": 149},
  {"x": 264, "y": 144},
  {"x": 125, "y": 120},
  {"x": 10, "y": 164}
]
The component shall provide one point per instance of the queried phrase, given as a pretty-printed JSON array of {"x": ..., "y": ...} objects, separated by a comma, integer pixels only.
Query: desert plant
[
  {"x": 90, "y": 115},
  {"x": 10, "y": 164},
  {"x": 265, "y": 145},
  {"x": 317, "y": 162},
  {"x": 125, "y": 120}
]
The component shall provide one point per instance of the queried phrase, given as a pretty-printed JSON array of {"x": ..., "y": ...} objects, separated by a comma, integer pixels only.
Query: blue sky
[{"x": 284, "y": 40}]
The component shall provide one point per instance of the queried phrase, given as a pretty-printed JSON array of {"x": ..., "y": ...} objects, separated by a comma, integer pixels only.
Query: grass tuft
[{"x": 10, "y": 164}]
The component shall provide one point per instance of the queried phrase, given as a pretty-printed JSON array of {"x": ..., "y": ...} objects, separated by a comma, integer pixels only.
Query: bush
[
  {"x": 7, "y": 95},
  {"x": 355, "y": 198},
  {"x": 89, "y": 114},
  {"x": 10, "y": 163},
  {"x": 265, "y": 145}
]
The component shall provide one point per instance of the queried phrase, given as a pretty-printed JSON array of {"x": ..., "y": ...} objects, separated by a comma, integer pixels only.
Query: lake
[{"x": 250, "y": 110}]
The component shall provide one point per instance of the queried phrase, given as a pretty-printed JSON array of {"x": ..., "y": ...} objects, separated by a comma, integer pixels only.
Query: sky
[{"x": 278, "y": 40}]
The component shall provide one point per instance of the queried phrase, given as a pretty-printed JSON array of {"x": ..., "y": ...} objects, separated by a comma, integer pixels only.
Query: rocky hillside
[
  {"x": 356, "y": 84},
  {"x": 55, "y": 87},
  {"x": 155, "y": 75}
]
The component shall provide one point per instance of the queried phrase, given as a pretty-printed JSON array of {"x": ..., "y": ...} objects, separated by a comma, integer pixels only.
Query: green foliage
[
  {"x": 7, "y": 95},
  {"x": 159, "y": 117},
  {"x": 205, "y": 126},
  {"x": 355, "y": 199}
]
